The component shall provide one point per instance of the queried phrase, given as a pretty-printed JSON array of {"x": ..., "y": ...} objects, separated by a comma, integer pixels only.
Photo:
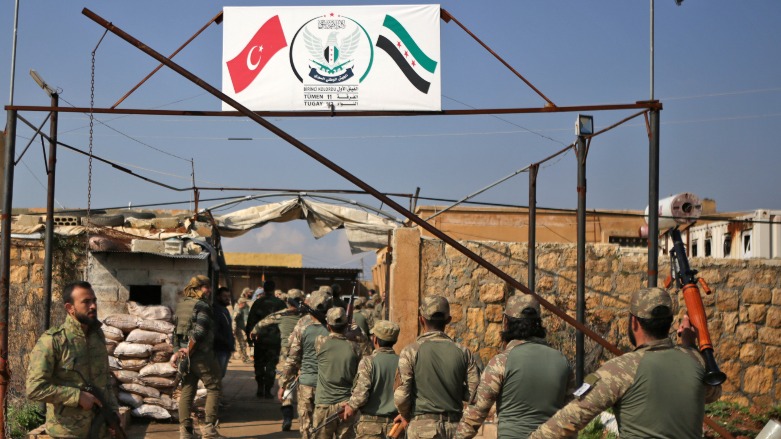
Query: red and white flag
[{"x": 246, "y": 66}]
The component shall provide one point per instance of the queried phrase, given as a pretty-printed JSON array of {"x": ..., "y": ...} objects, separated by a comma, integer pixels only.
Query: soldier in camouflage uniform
[
  {"x": 656, "y": 391},
  {"x": 302, "y": 358},
  {"x": 286, "y": 320},
  {"x": 240, "y": 323},
  {"x": 267, "y": 342},
  {"x": 64, "y": 359},
  {"x": 529, "y": 381},
  {"x": 373, "y": 387},
  {"x": 337, "y": 364},
  {"x": 435, "y": 376},
  {"x": 368, "y": 314},
  {"x": 194, "y": 321}
]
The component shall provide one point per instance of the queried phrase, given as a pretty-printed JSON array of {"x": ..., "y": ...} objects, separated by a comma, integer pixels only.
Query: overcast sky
[{"x": 718, "y": 75}]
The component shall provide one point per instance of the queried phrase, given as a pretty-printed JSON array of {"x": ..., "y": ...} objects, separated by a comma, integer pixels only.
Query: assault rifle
[
  {"x": 685, "y": 278},
  {"x": 395, "y": 431},
  {"x": 351, "y": 307},
  {"x": 103, "y": 413},
  {"x": 289, "y": 391},
  {"x": 306, "y": 309},
  {"x": 329, "y": 419}
]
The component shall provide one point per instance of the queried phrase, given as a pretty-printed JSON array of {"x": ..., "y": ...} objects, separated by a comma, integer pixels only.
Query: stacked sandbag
[{"x": 141, "y": 344}]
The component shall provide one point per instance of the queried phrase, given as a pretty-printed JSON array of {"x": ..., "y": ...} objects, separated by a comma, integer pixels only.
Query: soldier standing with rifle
[
  {"x": 65, "y": 362},
  {"x": 436, "y": 376},
  {"x": 337, "y": 364},
  {"x": 372, "y": 392},
  {"x": 195, "y": 327},
  {"x": 266, "y": 342},
  {"x": 286, "y": 320},
  {"x": 302, "y": 358},
  {"x": 656, "y": 391}
]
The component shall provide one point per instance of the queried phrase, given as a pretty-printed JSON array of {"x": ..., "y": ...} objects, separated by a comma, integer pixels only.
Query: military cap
[
  {"x": 435, "y": 308},
  {"x": 294, "y": 293},
  {"x": 385, "y": 330},
  {"x": 336, "y": 316},
  {"x": 516, "y": 305},
  {"x": 242, "y": 300},
  {"x": 327, "y": 289},
  {"x": 359, "y": 303},
  {"x": 320, "y": 300},
  {"x": 645, "y": 300}
]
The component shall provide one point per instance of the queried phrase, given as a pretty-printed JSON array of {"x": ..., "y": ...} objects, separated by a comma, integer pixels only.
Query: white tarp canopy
[{"x": 365, "y": 231}]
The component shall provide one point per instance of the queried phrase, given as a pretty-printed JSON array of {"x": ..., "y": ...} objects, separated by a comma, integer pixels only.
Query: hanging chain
[{"x": 91, "y": 132}]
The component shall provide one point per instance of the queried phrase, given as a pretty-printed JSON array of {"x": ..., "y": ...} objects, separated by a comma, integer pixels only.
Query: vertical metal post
[
  {"x": 652, "y": 49},
  {"x": 532, "y": 241},
  {"x": 581, "y": 280},
  {"x": 653, "y": 200},
  {"x": 5, "y": 260},
  {"x": 49, "y": 240}
]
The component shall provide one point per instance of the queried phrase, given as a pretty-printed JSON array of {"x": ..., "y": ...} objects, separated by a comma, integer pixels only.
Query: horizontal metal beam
[{"x": 648, "y": 105}]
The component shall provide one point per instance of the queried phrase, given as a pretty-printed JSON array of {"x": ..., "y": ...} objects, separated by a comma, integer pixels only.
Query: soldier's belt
[
  {"x": 444, "y": 417},
  {"x": 375, "y": 418}
]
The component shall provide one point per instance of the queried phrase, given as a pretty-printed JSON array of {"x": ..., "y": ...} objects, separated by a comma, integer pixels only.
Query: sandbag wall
[{"x": 140, "y": 345}]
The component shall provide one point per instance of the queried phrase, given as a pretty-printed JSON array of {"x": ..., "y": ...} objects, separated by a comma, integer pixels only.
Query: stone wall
[
  {"x": 26, "y": 307},
  {"x": 744, "y": 310}
]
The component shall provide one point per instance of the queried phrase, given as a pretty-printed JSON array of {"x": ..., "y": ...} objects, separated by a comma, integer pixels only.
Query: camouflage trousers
[
  {"x": 373, "y": 427},
  {"x": 337, "y": 429},
  {"x": 431, "y": 428},
  {"x": 306, "y": 409},
  {"x": 282, "y": 356},
  {"x": 204, "y": 367},
  {"x": 241, "y": 341}
]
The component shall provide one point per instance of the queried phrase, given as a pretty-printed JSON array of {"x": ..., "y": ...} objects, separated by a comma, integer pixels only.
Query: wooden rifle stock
[{"x": 396, "y": 431}]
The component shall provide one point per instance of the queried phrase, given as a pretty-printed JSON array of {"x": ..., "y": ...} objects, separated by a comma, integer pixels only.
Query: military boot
[
  {"x": 209, "y": 431},
  {"x": 185, "y": 432},
  {"x": 287, "y": 417}
]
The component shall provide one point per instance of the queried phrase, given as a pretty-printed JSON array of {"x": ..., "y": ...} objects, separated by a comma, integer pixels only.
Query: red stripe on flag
[{"x": 246, "y": 66}]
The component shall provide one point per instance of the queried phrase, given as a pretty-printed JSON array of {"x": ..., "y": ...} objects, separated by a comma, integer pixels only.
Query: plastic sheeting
[{"x": 365, "y": 231}]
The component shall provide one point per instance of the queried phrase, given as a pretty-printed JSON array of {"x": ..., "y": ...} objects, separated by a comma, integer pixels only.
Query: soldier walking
[
  {"x": 286, "y": 320},
  {"x": 267, "y": 342},
  {"x": 436, "y": 375},
  {"x": 240, "y": 323},
  {"x": 337, "y": 364},
  {"x": 195, "y": 338},
  {"x": 302, "y": 358},
  {"x": 65, "y": 359},
  {"x": 372, "y": 392},
  {"x": 529, "y": 381},
  {"x": 656, "y": 391}
]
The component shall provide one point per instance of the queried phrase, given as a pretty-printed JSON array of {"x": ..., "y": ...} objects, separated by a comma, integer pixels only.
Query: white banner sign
[{"x": 341, "y": 58}]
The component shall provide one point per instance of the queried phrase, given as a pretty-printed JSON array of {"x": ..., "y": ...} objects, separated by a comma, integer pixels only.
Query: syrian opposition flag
[
  {"x": 246, "y": 66},
  {"x": 405, "y": 52}
]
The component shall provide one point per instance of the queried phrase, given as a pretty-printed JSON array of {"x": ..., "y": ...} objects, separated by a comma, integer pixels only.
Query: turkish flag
[{"x": 268, "y": 40}]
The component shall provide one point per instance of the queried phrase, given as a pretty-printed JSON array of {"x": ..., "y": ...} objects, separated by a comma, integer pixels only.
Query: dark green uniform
[
  {"x": 337, "y": 364},
  {"x": 656, "y": 391},
  {"x": 373, "y": 393},
  {"x": 52, "y": 377}
]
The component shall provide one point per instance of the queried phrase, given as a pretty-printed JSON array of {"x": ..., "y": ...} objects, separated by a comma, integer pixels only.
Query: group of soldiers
[{"x": 350, "y": 382}]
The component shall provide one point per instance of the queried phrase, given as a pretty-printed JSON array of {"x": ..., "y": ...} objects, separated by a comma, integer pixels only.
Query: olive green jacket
[{"x": 59, "y": 356}]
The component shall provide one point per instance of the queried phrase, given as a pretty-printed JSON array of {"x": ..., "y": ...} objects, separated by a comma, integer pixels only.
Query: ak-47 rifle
[
  {"x": 328, "y": 420},
  {"x": 306, "y": 309},
  {"x": 289, "y": 390},
  {"x": 396, "y": 431},
  {"x": 351, "y": 307},
  {"x": 103, "y": 413},
  {"x": 685, "y": 278}
]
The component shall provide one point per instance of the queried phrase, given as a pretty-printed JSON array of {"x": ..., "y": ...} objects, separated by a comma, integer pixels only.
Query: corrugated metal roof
[{"x": 202, "y": 255}]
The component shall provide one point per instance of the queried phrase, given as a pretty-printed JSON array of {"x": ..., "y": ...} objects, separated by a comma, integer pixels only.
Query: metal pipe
[
  {"x": 216, "y": 19},
  {"x": 49, "y": 240},
  {"x": 5, "y": 260},
  {"x": 532, "y": 241},
  {"x": 463, "y": 112},
  {"x": 447, "y": 17},
  {"x": 652, "y": 49},
  {"x": 653, "y": 200},
  {"x": 348, "y": 176},
  {"x": 13, "y": 52},
  {"x": 581, "y": 275}
]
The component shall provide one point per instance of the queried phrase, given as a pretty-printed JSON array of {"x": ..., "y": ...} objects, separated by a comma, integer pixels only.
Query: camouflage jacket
[
  {"x": 607, "y": 387},
  {"x": 295, "y": 355},
  {"x": 405, "y": 394},
  {"x": 277, "y": 318},
  {"x": 59, "y": 356},
  {"x": 362, "y": 386},
  {"x": 492, "y": 382}
]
